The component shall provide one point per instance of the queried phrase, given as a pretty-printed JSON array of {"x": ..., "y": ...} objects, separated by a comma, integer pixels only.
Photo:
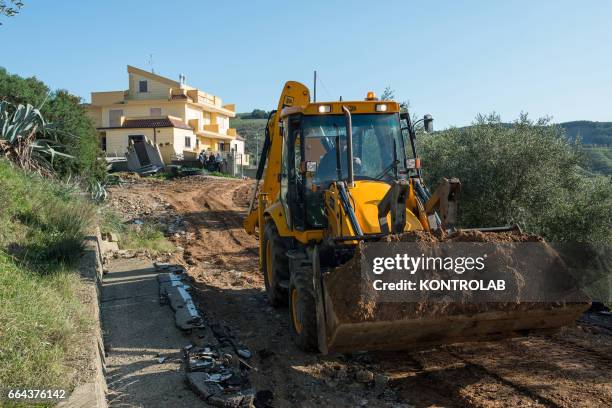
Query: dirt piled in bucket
[{"x": 355, "y": 300}]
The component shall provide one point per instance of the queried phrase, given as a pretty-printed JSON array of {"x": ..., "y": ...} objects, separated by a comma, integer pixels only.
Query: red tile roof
[{"x": 151, "y": 123}]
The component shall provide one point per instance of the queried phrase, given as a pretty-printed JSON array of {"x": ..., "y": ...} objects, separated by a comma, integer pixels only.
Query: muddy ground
[{"x": 203, "y": 217}]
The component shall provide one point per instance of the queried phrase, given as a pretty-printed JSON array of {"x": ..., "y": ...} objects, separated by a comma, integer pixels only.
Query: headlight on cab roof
[
  {"x": 324, "y": 108},
  {"x": 381, "y": 107}
]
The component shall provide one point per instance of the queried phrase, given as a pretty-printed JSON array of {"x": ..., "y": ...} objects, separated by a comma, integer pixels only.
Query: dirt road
[{"x": 570, "y": 369}]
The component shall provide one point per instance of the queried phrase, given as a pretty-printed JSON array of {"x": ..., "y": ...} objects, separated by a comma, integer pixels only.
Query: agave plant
[
  {"x": 23, "y": 138},
  {"x": 97, "y": 191}
]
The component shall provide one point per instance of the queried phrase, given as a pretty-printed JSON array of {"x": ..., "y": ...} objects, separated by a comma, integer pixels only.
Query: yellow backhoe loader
[{"x": 333, "y": 174}]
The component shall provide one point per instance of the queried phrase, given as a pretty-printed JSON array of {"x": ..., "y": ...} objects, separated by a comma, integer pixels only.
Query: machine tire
[
  {"x": 302, "y": 309},
  {"x": 274, "y": 264}
]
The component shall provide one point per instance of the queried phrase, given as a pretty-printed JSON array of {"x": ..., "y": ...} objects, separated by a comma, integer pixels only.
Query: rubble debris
[
  {"x": 174, "y": 291},
  {"x": 198, "y": 382},
  {"x": 214, "y": 366},
  {"x": 211, "y": 374},
  {"x": 161, "y": 360}
]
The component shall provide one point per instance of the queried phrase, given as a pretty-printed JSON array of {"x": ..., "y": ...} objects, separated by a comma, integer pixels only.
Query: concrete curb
[{"x": 93, "y": 392}]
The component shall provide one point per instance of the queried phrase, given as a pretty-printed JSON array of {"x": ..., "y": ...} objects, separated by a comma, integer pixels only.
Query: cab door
[
  {"x": 291, "y": 185},
  {"x": 284, "y": 172}
]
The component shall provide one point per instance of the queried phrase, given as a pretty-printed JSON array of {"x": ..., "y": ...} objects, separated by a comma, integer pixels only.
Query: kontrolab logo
[{"x": 411, "y": 264}]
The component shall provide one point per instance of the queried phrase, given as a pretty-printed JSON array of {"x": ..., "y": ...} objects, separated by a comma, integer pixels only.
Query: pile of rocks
[
  {"x": 174, "y": 290},
  {"x": 219, "y": 376},
  {"x": 216, "y": 367}
]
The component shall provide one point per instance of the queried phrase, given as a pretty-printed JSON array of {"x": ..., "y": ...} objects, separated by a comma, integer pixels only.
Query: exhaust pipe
[{"x": 349, "y": 146}]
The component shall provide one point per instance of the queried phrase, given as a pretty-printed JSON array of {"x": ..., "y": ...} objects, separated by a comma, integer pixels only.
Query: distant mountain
[
  {"x": 596, "y": 138},
  {"x": 589, "y": 132}
]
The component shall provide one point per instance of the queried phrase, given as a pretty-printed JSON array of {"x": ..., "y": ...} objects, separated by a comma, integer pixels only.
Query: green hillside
[
  {"x": 599, "y": 159},
  {"x": 596, "y": 138},
  {"x": 590, "y": 133},
  {"x": 251, "y": 130}
]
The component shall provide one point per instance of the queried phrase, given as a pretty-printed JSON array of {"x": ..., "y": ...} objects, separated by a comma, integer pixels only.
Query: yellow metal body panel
[
  {"x": 294, "y": 94},
  {"x": 364, "y": 196},
  {"x": 356, "y": 107}
]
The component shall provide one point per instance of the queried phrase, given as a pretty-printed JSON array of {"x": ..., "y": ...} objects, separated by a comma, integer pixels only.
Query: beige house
[{"x": 181, "y": 120}]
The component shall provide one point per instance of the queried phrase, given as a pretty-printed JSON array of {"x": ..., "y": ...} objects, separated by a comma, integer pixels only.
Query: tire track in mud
[
  {"x": 449, "y": 379},
  {"x": 605, "y": 355},
  {"x": 482, "y": 371},
  {"x": 556, "y": 374}
]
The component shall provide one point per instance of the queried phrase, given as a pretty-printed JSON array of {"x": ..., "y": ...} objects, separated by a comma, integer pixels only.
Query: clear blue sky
[{"x": 452, "y": 59}]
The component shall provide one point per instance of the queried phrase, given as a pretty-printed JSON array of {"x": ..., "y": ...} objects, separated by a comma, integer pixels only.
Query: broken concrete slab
[
  {"x": 187, "y": 317},
  {"x": 198, "y": 381},
  {"x": 174, "y": 291},
  {"x": 143, "y": 156}
]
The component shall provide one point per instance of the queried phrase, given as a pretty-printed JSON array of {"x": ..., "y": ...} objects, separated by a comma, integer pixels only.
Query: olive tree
[{"x": 524, "y": 173}]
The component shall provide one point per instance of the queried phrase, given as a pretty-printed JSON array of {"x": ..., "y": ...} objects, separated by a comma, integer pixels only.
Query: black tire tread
[
  {"x": 277, "y": 296},
  {"x": 301, "y": 279}
]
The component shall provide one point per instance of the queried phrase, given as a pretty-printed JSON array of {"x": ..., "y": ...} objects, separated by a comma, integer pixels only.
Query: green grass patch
[
  {"x": 219, "y": 174},
  {"x": 42, "y": 223},
  {"x": 41, "y": 325},
  {"x": 42, "y": 320},
  {"x": 147, "y": 236}
]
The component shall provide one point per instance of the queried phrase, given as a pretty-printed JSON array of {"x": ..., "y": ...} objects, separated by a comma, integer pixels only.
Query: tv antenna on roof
[{"x": 150, "y": 63}]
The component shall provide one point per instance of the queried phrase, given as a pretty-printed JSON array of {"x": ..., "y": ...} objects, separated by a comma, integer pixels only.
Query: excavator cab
[{"x": 315, "y": 156}]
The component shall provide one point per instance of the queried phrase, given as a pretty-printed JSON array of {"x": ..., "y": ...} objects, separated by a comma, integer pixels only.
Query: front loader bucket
[
  {"x": 342, "y": 335},
  {"x": 349, "y": 320}
]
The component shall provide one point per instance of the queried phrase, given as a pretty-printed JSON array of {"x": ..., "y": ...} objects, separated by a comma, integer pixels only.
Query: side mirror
[{"x": 428, "y": 123}]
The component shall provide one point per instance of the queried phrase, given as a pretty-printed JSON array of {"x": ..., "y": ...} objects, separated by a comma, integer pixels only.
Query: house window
[
  {"x": 143, "y": 86},
  {"x": 114, "y": 117},
  {"x": 222, "y": 146},
  {"x": 155, "y": 111},
  {"x": 103, "y": 143},
  {"x": 187, "y": 141}
]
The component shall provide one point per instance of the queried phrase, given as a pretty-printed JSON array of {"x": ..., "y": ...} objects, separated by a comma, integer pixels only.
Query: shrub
[
  {"x": 75, "y": 131},
  {"x": 525, "y": 173}
]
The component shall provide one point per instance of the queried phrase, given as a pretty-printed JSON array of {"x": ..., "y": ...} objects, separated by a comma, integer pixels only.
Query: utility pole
[{"x": 315, "y": 85}]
